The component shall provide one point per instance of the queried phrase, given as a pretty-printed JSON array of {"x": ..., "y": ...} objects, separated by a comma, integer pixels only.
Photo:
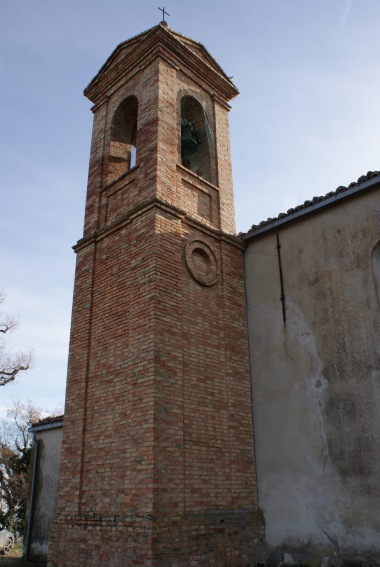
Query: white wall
[
  {"x": 47, "y": 487},
  {"x": 316, "y": 382}
]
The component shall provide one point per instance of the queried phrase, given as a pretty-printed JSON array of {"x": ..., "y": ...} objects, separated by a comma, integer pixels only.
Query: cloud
[{"x": 346, "y": 13}]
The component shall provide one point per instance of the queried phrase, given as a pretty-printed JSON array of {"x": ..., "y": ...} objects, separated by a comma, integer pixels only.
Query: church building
[{"x": 223, "y": 393}]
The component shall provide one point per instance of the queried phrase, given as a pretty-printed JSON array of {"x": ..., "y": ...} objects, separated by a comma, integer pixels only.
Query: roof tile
[{"x": 308, "y": 203}]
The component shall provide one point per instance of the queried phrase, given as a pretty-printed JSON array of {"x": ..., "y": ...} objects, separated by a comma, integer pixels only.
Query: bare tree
[
  {"x": 21, "y": 415},
  {"x": 11, "y": 363},
  {"x": 15, "y": 453}
]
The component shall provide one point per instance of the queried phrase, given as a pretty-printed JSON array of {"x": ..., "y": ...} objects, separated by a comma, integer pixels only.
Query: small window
[
  {"x": 196, "y": 138},
  {"x": 122, "y": 151}
]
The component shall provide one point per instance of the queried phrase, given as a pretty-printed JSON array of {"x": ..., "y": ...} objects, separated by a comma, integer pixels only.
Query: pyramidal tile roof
[
  {"x": 127, "y": 47},
  {"x": 199, "y": 49}
]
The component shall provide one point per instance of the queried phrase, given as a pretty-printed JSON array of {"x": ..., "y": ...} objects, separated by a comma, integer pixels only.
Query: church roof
[
  {"x": 49, "y": 422},
  {"x": 129, "y": 52},
  {"x": 365, "y": 182}
]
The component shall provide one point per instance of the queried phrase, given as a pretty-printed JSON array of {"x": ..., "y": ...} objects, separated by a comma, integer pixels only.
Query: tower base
[{"x": 232, "y": 538}]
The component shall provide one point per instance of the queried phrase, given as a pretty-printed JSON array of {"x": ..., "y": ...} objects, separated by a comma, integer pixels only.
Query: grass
[
  {"x": 14, "y": 559},
  {"x": 16, "y": 550}
]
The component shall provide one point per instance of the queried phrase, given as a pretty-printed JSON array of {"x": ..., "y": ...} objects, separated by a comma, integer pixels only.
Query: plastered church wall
[{"x": 316, "y": 381}]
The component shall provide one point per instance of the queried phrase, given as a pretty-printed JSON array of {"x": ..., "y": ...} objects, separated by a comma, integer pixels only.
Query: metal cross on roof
[{"x": 163, "y": 13}]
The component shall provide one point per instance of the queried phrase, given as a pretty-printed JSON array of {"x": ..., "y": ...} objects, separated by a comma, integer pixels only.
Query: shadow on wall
[{"x": 376, "y": 270}]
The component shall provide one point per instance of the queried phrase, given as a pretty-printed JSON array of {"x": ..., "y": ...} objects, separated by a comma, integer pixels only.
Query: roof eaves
[
  {"x": 50, "y": 422},
  {"x": 212, "y": 60},
  {"x": 115, "y": 51},
  {"x": 364, "y": 183},
  {"x": 183, "y": 40}
]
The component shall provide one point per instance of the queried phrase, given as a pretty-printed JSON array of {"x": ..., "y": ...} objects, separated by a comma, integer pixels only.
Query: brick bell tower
[{"x": 158, "y": 461}]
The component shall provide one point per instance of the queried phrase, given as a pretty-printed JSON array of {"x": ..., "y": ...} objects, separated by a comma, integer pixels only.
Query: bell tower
[{"x": 158, "y": 460}]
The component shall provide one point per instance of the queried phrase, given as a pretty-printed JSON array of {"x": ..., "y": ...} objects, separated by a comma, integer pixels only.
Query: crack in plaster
[
  {"x": 334, "y": 542},
  {"x": 313, "y": 377},
  {"x": 271, "y": 314},
  {"x": 318, "y": 405},
  {"x": 302, "y": 352}
]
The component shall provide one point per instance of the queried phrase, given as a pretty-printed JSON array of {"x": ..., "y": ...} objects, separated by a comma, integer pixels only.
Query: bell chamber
[
  {"x": 190, "y": 139},
  {"x": 195, "y": 137}
]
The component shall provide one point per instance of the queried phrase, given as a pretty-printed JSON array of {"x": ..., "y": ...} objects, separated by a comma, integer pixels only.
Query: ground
[{"x": 14, "y": 559}]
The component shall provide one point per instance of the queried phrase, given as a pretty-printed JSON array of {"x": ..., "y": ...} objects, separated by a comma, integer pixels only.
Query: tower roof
[{"x": 131, "y": 54}]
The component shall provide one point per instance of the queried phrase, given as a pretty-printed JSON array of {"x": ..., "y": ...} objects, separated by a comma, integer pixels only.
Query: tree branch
[
  {"x": 10, "y": 366},
  {"x": 9, "y": 325},
  {"x": 10, "y": 363},
  {"x": 10, "y": 322}
]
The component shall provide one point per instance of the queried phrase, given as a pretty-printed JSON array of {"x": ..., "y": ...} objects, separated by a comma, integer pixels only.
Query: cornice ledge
[{"x": 164, "y": 206}]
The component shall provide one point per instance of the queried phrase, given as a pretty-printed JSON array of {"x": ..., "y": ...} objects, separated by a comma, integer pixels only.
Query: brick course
[{"x": 158, "y": 461}]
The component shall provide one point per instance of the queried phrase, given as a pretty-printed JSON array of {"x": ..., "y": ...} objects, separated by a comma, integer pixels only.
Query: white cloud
[{"x": 346, "y": 13}]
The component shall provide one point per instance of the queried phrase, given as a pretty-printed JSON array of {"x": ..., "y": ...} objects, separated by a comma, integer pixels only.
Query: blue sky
[{"x": 307, "y": 120}]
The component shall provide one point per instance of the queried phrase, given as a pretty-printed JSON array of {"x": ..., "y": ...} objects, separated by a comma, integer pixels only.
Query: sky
[{"x": 306, "y": 121}]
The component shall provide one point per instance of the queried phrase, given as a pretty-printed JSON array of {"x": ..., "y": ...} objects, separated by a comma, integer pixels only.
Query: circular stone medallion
[{"x": 201, "y": 262}]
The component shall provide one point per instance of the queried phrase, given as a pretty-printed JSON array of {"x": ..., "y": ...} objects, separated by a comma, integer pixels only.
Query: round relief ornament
[{"x": 201, "y": 262}]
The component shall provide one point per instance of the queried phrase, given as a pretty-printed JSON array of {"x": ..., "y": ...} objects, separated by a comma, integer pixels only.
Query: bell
[{"x": 189, "y": 138}]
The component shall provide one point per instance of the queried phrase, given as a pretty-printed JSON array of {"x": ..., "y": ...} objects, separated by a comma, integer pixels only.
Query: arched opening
[
  {"x": 196, "y": 138},
  {"x": 122, "y": 150},
  {"x": 376, "y": 270}
]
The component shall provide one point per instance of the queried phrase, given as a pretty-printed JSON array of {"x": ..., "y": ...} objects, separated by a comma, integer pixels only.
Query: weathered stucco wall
[
  {"x": 46, "y": 490},
  {"x": 316, "y": 381}
]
